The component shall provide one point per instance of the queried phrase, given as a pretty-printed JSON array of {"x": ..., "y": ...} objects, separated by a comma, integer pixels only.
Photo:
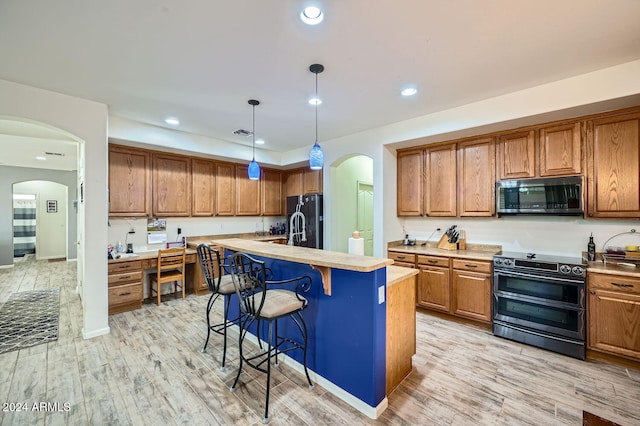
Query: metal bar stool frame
[{"x": 257, "y": 302}]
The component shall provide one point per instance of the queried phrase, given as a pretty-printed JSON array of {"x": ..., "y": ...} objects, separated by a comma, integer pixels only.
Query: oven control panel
[{"x": 532, "y": 264}]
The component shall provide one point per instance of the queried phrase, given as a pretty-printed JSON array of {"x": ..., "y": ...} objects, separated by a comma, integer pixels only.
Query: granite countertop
[
  {"x": 398, "y": 273},
  {"x": 306, "y": 255},
  {"x": 473, "y": 251}
]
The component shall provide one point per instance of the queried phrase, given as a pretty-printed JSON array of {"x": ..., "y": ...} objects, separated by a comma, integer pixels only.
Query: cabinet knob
[
  {"x": 590, "y": 214},
  {"x": 592, "y": 292}
]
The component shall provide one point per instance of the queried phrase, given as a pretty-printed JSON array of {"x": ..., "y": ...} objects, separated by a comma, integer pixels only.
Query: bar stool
[
  {"x": 219, "y": 285},
  {"x": 259, "y": 301}
]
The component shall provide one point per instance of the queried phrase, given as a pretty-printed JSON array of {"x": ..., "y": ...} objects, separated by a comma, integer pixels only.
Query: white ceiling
[{"x": 202, "y": 60}]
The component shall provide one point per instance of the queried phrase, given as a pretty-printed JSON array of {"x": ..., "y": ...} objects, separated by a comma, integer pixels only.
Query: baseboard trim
[
  {"x": 95, "y": 333},
  {"x": 6, "y": 266}
]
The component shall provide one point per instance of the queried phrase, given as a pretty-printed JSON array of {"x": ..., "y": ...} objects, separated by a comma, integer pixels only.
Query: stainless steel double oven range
[{"x": 540, "y": 300}]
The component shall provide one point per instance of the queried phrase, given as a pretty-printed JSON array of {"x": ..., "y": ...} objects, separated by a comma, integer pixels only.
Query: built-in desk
[{"x": 127, "y": 278}]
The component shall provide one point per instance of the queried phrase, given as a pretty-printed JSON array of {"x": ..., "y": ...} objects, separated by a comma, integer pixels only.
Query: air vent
[
  {"x": 59, "y": 154},
  {"x": 242, "y": 132}
]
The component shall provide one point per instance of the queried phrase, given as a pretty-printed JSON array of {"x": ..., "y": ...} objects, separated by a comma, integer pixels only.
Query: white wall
[
  {"x": 191, "y": 226},
  {"x": 86, "y": 121},
  {"x": 51, "y": 228},
  {"x": 344, "y": 178}
]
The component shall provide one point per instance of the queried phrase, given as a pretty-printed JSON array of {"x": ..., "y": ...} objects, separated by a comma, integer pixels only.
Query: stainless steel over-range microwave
[{"x": 551, "y": 196}]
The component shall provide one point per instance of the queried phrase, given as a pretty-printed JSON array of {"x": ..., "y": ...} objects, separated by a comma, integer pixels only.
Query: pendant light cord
[
  {"x": 317, "y": 102},
  {"x": 253, "y": 155}
]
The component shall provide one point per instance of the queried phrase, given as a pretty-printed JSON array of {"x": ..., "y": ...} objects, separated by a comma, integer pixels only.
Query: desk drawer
[
  {"x": 472, "y": 265},
  {"x": 117, "y": 267},
  {"x": 125, "y": 294},
  {"x": 126, "y": 277}
]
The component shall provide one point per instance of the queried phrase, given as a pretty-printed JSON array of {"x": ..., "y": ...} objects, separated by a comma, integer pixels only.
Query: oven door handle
[{"x": 537, "y": 277}]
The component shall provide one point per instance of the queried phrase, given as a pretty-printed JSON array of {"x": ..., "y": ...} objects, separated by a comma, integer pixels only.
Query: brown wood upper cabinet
[
  {"x": 203, "y": 187},
  {"x": 613, "y": 166},
  {"x": 312, "y": 181},
  {"x": 440, "y": 180},
  {"x": 516, "y": 153},
  {"x": 556, "y": 152},
  {"x": 476, "y": 177},
  {"x": 560, "y": 150},
  {"x": 129, "y": 182},
  {"x": 302, "y": 181},
  {"x": 225, "y": 189},
  {"x": 410, "y": 183},
  {"x": 171, "y": 185},
  {"x": 271, "y": 192},
  {"x": 247, "y": 192}
]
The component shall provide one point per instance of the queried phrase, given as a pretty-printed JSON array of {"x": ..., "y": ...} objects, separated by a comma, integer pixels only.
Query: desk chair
[
  {"x": 171, "y": 264},
  {"x": 262, "y": 300},
  {"x": 219, "y": 285}
]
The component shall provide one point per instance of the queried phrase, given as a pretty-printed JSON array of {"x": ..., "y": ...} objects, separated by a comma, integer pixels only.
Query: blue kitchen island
[{"x": 346, "y": 317}]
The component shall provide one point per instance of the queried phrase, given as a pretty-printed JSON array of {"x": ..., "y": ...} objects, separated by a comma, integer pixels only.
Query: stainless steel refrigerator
[{"x": 304, "y": 220}]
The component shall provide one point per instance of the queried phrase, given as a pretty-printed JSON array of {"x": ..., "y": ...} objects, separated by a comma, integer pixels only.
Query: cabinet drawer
[
  {"x": 614, "y": 282},
  {"x": 433, "y": 261},
  {"x": 401, "y": 257},
  {"x": 405, "y": 264},
  {"x": 125, "y": 294},
  {"x": 125, "y": 277},
  {"x": 117, "y": 267},
  {"x": 472, "y": 265}
]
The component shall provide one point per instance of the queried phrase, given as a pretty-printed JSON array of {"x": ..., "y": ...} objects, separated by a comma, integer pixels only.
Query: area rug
[{"x": 29, "y": 318}]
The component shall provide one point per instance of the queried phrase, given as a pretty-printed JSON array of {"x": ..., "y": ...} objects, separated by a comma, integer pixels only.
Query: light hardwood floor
[{"x": 150, "y": 371}]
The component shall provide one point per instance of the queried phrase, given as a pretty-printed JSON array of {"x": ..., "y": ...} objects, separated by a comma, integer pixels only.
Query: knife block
[{"x": 446, "y": 245}]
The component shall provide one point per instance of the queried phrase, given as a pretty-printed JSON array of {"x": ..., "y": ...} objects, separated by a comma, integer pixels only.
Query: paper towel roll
[{"x": 356, "y": 246}]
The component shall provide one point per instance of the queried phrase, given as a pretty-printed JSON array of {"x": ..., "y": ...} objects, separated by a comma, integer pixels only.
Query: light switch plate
[{"x": 380, "y": 295}]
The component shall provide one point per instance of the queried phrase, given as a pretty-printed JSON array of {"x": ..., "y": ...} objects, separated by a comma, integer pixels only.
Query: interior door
[{"x": 365, "y": 215}]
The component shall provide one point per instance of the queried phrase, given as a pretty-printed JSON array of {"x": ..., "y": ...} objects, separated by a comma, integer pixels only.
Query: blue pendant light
[
  {"x": 254, "y": 167},
  {"x": 316, "y": 155}
]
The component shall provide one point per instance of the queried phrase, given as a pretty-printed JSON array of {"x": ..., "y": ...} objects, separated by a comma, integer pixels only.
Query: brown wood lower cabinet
[
  {"x": 613, "y": 320},
  {"x": 455, "y": 286},
  {"x": 125, "y": 286}
]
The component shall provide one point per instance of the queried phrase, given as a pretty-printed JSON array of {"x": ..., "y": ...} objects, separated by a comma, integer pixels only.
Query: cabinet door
[
  {"x": 271, "y": 189},
  {"x": 171, "y": 185},
  {"x": 440, "y": 182},
  {"x": 247, "y": 193},
  {"x": 293, "y": 183},
  {"x": 410, "y": 183},
  {"x": 476, "y": 178},
  {"x": 203, "y": 187},
  {"x": 614, "y": 323},
  {"x": 312, "y": 181},
  {"x": 613, "y": 166},
  {"x": 225, "y": 189},
  {"x": 560, "y": 150},
  {"x": 472, "y": 295},
  {"x": 433, "y": 289},
  {"x": 516, "y": 155},
  {"x": 129, "y": 182}
]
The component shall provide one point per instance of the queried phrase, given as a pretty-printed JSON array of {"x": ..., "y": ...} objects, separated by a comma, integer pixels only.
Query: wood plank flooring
[{"x": 150, "y": 371}]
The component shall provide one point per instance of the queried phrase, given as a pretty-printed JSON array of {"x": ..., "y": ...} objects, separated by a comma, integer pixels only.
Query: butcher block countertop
[
  {"x": 326, "y": 258},
  {"x": 396, "y": 274},
  {"x": 473, "y": 251}
]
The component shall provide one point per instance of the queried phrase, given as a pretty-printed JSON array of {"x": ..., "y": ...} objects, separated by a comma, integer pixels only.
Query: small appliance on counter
[{"x": 408, "y": 242}]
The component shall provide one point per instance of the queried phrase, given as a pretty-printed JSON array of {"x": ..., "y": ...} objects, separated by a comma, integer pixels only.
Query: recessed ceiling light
[
  {"x": 172, "y": 121},
  {"x": 40, "y": 157},
  {"x": 311, "y": 15},
  {"x": 409, "y": 91},
  {"x": 315, "y": 101},
  {"x": 259, "y": 141}
]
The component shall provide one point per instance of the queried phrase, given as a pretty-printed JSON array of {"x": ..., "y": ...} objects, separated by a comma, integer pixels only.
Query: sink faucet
[{"x": 297, "y": 222}]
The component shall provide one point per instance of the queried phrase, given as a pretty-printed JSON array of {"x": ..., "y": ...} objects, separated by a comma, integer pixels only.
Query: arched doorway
[{"x": 352, "y": 201}]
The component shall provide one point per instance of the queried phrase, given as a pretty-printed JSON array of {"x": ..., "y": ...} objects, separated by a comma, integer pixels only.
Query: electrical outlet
[{"x": 179, "y": 230}]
